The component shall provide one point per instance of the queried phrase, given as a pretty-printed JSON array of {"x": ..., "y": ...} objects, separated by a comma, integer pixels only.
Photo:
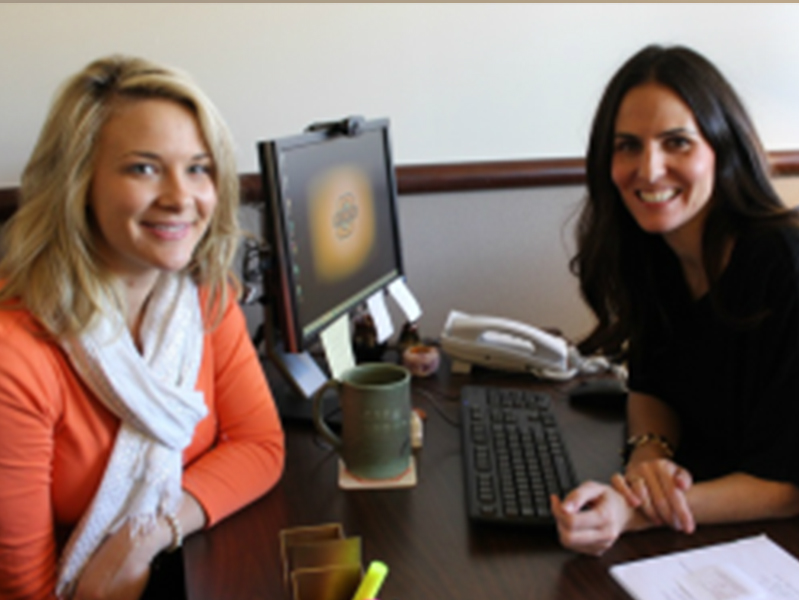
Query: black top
[{"x": 733, "y": 380}]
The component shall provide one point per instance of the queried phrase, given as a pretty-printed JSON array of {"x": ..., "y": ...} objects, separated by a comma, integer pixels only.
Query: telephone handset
[{"x": 512, "y": 346}]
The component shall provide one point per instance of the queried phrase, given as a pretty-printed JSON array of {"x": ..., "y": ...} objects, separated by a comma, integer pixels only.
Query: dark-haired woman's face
[{"x": 662, "y": 166}]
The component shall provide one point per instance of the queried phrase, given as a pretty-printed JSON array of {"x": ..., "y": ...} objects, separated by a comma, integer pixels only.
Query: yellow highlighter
[{"x": 372, "y": 580}]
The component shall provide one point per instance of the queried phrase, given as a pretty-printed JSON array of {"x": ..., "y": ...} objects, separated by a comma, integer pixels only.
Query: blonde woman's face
[{"x": 153, "y": 193}]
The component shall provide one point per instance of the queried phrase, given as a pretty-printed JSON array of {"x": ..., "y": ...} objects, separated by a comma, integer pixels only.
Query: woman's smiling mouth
[{"x": 658, "y": 197}]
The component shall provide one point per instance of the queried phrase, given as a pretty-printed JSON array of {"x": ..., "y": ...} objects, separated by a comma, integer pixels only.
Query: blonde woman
[{"x": 133, "y": 409}]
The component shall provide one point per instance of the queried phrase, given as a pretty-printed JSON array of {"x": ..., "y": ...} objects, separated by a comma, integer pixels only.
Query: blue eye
[
  {"x": 141, "y": 169},
  {"x": 201, "y": 169}
]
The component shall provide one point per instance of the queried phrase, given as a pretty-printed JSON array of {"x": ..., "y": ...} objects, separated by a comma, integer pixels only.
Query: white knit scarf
[{"x": 153, "y": 394}]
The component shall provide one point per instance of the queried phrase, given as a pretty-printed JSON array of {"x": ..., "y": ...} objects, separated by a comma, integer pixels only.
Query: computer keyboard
[{"x": 513, "y": 456}]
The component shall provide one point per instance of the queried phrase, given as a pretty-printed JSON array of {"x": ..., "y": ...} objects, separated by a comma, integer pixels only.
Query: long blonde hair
[{"x": 50, "y": 261}]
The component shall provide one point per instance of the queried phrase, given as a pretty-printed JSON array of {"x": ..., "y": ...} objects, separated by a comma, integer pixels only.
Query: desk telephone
[{"x": 512, "y": 346}]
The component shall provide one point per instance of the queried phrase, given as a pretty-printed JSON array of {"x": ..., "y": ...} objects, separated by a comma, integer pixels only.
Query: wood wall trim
[
  {"x": 8, "y": 202},
  {"x": 459, "y": 177},
  {"x": 421, "y": 179},
  {"x": 468, "y": 176},
  {"x": 784, "y": 163}
]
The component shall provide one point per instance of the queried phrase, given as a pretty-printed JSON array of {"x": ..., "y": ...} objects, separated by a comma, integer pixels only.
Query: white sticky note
[
  {"x": 338, "y": 346},
  {"x": 377, "y": 308},
  {"x": 402, "y": 294}
]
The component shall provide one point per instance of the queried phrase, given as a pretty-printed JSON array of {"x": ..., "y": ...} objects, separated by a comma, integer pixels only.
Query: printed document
[{"x": 752, "y": 568}]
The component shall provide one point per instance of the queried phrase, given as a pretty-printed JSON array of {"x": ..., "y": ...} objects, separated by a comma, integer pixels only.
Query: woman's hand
[
  {"x": 591, "y": 517},
  {"x": 657, "y": 487},
  {"x": 120, "y": 568}
]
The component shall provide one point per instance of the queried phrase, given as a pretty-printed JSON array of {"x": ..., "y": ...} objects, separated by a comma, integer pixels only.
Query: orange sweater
[{"x": 56, "y": 438}]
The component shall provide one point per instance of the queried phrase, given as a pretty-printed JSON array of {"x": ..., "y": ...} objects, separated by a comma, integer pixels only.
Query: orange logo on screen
[{"x": 342, "y": 222}]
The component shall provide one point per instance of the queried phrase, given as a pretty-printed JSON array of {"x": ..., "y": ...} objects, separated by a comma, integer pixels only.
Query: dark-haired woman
[{"x": 690, "y": 262}]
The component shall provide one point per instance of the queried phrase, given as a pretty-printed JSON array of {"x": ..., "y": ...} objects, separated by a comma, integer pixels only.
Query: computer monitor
[{"x": 331, "y": 224}]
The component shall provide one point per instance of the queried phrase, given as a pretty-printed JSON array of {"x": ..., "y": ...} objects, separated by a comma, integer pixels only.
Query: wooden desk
[{"x": 423, "y": 534}]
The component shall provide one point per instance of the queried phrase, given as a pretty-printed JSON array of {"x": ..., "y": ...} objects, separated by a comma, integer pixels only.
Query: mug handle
[{"x": 318, "y": 417}]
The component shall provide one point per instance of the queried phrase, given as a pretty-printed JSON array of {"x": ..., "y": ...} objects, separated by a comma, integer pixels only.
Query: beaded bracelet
[
  {"x": 636, "y": 441},
  {"x": 177, "y": 531}
]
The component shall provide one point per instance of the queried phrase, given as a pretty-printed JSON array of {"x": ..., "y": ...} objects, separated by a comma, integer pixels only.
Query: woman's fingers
[
  {"x": 621, "y": 485},
  {"x": 641, "y": 489},
  {"x": 590, "y": 518},
  {"x": 661, "y": 485}
]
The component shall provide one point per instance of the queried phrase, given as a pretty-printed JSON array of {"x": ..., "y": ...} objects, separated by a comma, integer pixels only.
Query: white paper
[
  {"x": 752, "y": 568},
  {"x": 404, "y": 297},
  {"x": 376, "y": 303},
  {"x": 338, "y": 346},
  {"x": 720, "y": 581}
]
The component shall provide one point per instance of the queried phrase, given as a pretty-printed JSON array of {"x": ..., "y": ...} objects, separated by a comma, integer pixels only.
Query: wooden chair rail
[{"x": 467, "y": 176}]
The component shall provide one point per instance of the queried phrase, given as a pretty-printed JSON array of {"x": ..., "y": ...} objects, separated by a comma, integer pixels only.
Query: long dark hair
[{"x": 616, "y": 261}]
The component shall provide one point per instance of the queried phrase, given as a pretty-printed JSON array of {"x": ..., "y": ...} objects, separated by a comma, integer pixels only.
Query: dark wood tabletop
[{"x": 422, "y": 533}]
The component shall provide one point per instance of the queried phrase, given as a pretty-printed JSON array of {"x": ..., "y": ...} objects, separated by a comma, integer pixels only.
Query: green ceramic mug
[{"x": 375, "y": 401}]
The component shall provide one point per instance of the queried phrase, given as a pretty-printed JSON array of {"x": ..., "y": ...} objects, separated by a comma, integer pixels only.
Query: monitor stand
[
  {"x": 294, "y": 409},
  {"x": 294, "y": 379}
]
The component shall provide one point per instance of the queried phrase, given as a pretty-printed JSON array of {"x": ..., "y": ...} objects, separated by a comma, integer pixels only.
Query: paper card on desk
[
  {"x": 326, "y": 553},
  {"x": 297, "y": 536},
  {"x": 326, "y": 583},
  {"x": 748, "y": 569},
  {"x": 377, "y": 308},
  {"x": 338, "y": 346},
  {"x": 402, "y": 294}
]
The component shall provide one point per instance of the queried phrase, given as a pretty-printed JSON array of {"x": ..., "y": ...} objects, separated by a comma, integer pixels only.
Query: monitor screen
[{"x": 331, "y": 222}]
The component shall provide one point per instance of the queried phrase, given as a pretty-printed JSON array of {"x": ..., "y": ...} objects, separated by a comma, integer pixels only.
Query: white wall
[
  {"x": 498, "y": 253},
  {"x": 458, "y": 81}
]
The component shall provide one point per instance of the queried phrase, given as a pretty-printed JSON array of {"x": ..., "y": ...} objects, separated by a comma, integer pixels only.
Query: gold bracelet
[
  {"x": 636, "y": 441},
  {"x": 177, "y": 531}
]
